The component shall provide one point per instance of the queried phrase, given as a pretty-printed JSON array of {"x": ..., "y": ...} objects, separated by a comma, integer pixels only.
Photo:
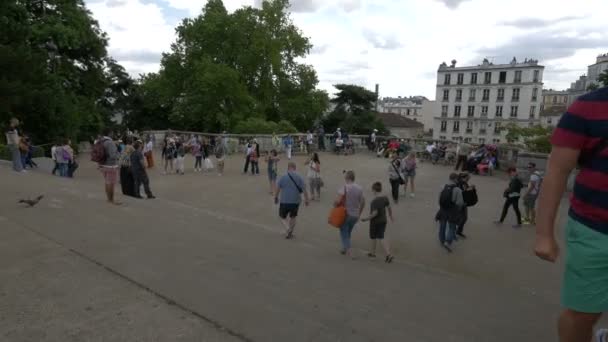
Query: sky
[{"x": 398, "y": 44}]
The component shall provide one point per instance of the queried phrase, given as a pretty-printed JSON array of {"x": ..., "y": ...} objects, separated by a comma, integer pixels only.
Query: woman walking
[
  {"x": 351, "y": 196},
  {"x": 314, "y": 176},
  {"x": 272, "y": 160},
  {"x": 169, "y": 153},
  {"x": 409, "y": 172},
  {"x": 394, "y": 177},
  {"x": 253, "y": 158},
  {"x": 127, "y": 183}
]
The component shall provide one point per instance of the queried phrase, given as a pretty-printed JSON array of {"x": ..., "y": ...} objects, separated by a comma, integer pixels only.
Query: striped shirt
[{"x": 583, "y": 127}]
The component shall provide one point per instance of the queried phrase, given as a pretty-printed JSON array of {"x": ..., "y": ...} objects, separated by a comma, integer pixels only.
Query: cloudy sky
[{"x": 396, "y": 43}]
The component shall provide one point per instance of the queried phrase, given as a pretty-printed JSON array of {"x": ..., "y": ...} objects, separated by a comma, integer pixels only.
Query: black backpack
[
  {"x": 470, "y": 197},
  {"x": 445, "y": 198}
]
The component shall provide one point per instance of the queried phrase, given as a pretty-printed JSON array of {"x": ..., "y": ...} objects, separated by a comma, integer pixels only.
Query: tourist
[
  {"x": 314, "y": 176},
  {"x": 109, "y": 165},
  {"x": 248, "y": 150},
  {"x": 72, "y": 164},
  {"x": 27, "y": 152},
  {"x": 219, "y": 156},
  {"x": 206, "y": 150},
  {"x": 288, "y": 144},
  {"x": 290, "y": 188},
  {"x": 409, "y": 173},
  {"x": 394, "y": 176},
  {"x": 579, "y": 141},
  {"x": 62, "y": 158},
  {"x": 253, "y": 158},
  {"x": 372, "y": 140},
  {"x": 276, "y": 141},
  {"x": 127, "y": 182},
  {"x": 138, "y": 168},
  {"x": 225, "y": 142},
  {"x": 463, "y": 150},
  {"x": 321, "y": 134},
  {"x": 197, "y": 151},
  {"x": 512, "y": 195},
  {"x": 169, "y": 153},
  {"x": 377, "y": 222},
  {"x": 469, "y": 195},
  {"x": 272, "y": 161},
  {"x": 12, "y": 141},
  {"x": 339, "y": 142},
  {"x": 180, "y": 151},
  {"x": 449, "y": 215},
  {"x": 309, "y": 142},
  {"x": 149, "y": 153},
  {"x": 531, "y": 194},
  {"x": 351, "y": 194}
]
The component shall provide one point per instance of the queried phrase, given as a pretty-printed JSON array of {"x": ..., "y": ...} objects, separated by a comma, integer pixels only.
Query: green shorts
[{"x": 585, "y": 287}]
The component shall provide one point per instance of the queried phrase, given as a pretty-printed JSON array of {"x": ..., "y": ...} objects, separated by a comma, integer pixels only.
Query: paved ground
[{"x": 206, "y": 262}]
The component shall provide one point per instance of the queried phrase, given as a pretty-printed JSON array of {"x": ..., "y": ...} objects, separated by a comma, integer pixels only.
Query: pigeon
[{"x": 31, "y": 202}]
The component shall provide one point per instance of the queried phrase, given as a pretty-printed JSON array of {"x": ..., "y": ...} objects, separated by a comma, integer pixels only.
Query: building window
[
  {"x": 496, "y": 141},
  {"x": 482, "y": 140},
  {"x": 514, "y": 110},
  {"x": 502, "y": 77},
  {"x": 517, "y": 78},
  {"x": 487, "y": 77},
  {"x": 468, "y": 140},
  {"x": 447, "y": 78},
  {"x": 459, "y": 95},
  {"x": 408, "y": 111},
  {"x": 456, "y": 126},
  {"x": 565, "y": 99},
  {"x": 474, "y": 78},
  {"x": 536, "y": 76},
  {"x": 460, "y": 79},
  {"x": 515, "y": 94},
  {"x": 415, "y": 111},
  {"x": 444, "y": 126},
  {"x": 444, "y": 111},
  {"x": 498, "y": 111},
  {"x": 442, "y": 137},
  {"x": 482, "y": 128},
  {"x": 472, "y": 94},
  {"x": 497, "y": 128},
  {"x": 471, "y": 111},
  {"x": 534, "y": 94},
  {"x": 486, "y": 95},
  {"x": 549, "y": 121},
  {"x": 446, "y": 95},
  {"x": 456, "y": 111},
  {"x": 484, "y": 111},
  {"x": 501, "y": 95},
  {"x": 554, "y": 99},
  {"x": 469, "y": 126},
  {"x": 532, "y": 111}
]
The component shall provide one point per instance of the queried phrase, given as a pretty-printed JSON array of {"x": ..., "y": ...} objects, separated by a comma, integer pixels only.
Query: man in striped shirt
[{"x": 579, "y": 140}]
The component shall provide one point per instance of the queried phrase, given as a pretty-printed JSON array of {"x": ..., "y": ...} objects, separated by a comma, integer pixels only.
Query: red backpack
[{"x": 98, "y": 155}]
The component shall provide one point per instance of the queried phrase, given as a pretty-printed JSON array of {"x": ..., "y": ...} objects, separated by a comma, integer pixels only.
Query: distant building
[
  {"x": 594, "y": 70},
  {"x": 410, "y": 107},
  {"x": 401, "y": 126},
  {"x": 475, "y": 103},
  {"x": 555, "y": 103}
]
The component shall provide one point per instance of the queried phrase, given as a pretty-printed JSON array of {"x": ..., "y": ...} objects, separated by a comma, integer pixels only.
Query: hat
[
  {"x": 338, "y": 128},
  {"x": 375, "y": 130}
]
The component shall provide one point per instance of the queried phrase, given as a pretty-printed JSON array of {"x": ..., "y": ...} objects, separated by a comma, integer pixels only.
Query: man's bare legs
[
  {"x": 290, "y": 224},
  {"x": 110, "y": 194},
  {"x": 576, "y": 326}
]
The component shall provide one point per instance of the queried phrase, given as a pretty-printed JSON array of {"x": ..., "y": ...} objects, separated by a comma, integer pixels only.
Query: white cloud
[{"x": 396, "y": 43}]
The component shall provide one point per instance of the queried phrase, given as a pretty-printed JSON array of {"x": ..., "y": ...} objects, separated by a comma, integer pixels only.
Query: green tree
[
  {"x": 535, "y": 139},
  {"x": 224, "y": 68},
  {"x": 603, "y": 78},
  {"x": 592, "y": 87},
  {"x": 354, "y": 111}
]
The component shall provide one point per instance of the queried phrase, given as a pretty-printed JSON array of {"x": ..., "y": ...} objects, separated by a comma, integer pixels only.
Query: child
[
  {"x": 377, "y": 221},
  {"x": 272, "y": 159}
]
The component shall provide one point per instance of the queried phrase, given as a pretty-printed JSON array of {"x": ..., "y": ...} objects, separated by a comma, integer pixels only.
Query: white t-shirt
[
  {"x": 373, "y": 137},
  {"x": 309, "y": 138},
  {"x": 535, "y": 181},
  {"x": 149, "y": 147},
  {"x": 53, "y": 151},
  {"x": 312, "y": 173}
]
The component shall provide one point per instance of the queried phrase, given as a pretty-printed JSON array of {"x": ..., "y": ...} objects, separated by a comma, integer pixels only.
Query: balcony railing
[
  {"x": 469, "y": 130},
  {"x": 500, "y": 99},
  {"x": 471, "y": 99},
  {"x": 482, "y": 131}
]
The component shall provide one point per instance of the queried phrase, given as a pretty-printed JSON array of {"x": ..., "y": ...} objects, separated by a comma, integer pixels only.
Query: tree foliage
[
  {"x": 226, "y": 68},
  {"x": 535, "y": 139},
  {"x": 354, "y": 111},
  {"x": 56, "y": 75},
  {"x": 603, "y": 78}
]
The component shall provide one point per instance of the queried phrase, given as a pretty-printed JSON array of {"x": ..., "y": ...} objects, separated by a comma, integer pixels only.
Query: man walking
[
  {"x": 580, "y": 139},
  {"x": 451, "y": 204},
  {"x": 290, "y": 188},
  {"x": 288, "y": 143},
  {"x": 463, "y": 150},
  {"x": 512, "y": 195},
  {"x": 531, "y": 195},
  {"x": 138, "y": 168},
  {"x": 108, "y": 164}
]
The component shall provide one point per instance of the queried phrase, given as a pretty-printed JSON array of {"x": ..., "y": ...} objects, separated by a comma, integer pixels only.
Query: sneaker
[
  {"x": 447, "y": 247},
  {"x": 389, "y": 259},
  {"x": 601, "y": 335},
  {"x": 151, "y": 197},
  {"x": 461, "y": 235}
]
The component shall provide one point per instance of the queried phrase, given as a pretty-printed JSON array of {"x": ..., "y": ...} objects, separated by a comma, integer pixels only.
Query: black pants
[
  {"x": 140, "y": 178},
  {"x": 463, "y": 221},
  {"x": 55, "y": 169},
  {"x": 127, "y": 184},
  {"x": 322, "y": 143},
  {"x": 511, "y": 201},
  {"x": 395, "y": 184},
  {"x": 246, "y": 165},
  {"x": 198, "y": 164},
  {"x": 255, "y": 169},
  {"x": 462, "y": 160}
]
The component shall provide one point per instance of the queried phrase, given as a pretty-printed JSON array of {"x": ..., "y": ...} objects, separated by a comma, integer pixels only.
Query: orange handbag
[{"x": 337, "y": 215}]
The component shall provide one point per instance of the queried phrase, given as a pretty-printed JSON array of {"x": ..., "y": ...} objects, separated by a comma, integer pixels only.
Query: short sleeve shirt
[
  {"x": 379, "y": 204},
  {"x": 354, "y": 198},
  {"x": 535, "y": 181},
  {"x": 290, "y": 194}
]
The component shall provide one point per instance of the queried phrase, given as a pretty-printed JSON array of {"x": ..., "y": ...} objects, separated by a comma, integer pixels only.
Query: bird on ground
[{"x": 32, "y": 202}]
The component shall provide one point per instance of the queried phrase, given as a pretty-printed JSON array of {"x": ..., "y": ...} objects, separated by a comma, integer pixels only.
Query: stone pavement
[{"x": 206, "y": 262}]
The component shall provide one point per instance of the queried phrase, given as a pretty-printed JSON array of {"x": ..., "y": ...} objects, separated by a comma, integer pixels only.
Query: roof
[
  {"x": 553, "y": 111},
  {"x": 398, "y": 121}
]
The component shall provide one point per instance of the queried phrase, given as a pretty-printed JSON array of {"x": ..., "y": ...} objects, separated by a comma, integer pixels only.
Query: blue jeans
[
  {"x": 451, "y": 230},
  {"x": 63, "y": 169},
  {"x": 346, "y": 230},
  {"x": 16, "y": 157}
]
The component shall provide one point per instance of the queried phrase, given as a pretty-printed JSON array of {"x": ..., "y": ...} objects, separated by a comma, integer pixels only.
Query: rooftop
[
  {"x": 557, "y": 110},
  {"x": 486, "y": 64},
  {"x": 398, "y": 121}
]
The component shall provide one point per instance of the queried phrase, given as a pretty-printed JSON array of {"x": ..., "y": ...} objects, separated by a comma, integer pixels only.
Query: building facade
[
  {"x": 476, "y": 103},
  {"x": 554, "y": 104}
]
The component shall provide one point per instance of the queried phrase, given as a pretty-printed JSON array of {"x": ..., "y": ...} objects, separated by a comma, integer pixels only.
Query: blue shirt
[{"x": 289, "y": 192}]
